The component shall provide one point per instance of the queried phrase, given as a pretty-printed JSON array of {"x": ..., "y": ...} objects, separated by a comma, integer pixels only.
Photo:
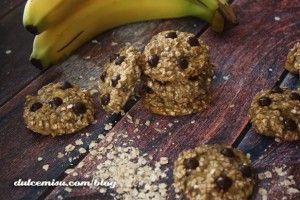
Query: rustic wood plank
[
  {"x": 20, "y": 148},
  {"x": 8, "y": 5},
  {"x": 248, "y": 58},
  {"x": 267, "y": 154},
  {"x": 15, "y": 71}
]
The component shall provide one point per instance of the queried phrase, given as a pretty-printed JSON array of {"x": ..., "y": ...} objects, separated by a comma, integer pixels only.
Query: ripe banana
[
  {"x": 42, "y": 14},
  {"x": 96, "y": 16}
]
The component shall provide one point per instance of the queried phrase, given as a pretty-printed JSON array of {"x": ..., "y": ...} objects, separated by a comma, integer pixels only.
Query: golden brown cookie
[
  {"x": 119, "y": 79},
  {"x": 276, "y": 113},
  {"x": 293, "y": 59},
  {"x": 185, "y": 90},
  {"x": 58, "y": 108},
  {"x": 216, "y": 172},
  {"x": 158, "y": 105},
  {"x": 173, "y": 56}
]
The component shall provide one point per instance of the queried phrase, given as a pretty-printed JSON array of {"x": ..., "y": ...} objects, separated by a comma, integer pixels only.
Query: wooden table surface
[{"x": 247, "y": 59}]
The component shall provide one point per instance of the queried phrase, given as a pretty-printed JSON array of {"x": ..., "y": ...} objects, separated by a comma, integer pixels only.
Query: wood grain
[
  {"x": 15, "y": 71},
  {"x": 8, "y": 5},
  {"x": 248, "y": 58},
  {"x": 267, "y": 154},
  {"x": 20, "y": 148}
]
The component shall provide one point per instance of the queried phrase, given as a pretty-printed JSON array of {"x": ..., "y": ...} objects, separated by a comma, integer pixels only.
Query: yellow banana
[
  {"x": 42, "y": 14},
  {"x": 96, "y": 16}
]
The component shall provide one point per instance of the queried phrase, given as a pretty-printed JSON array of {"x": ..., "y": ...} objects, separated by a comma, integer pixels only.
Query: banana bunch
[{"x": 61, "y": 26}]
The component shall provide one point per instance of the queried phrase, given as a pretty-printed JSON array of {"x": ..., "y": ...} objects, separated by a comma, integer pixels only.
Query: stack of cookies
[
  {"x": 178, "y": 74},
  {"x": 174, "y": 68}
]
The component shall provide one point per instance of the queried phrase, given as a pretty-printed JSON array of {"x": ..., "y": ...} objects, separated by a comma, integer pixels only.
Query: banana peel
[{"x": 58, "y": 41}]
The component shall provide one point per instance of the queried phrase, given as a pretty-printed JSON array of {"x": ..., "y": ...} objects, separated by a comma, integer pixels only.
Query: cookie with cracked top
[
  {"x": 213, "y": 172},
  {"x": 57, "y": 109},
  {"x": 173, "y": 56},
  {"x": 276, "y": 113},
  {"x": 119, "y": 79}
]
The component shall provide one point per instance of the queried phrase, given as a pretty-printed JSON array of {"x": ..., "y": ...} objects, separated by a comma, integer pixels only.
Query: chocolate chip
[
  {"x": 55, "y": 102},
  {"x": 193, "y": 41},
  {"x": 191, "y": 163},
  {"x": 246, "y": 170},
  {"x": 119, "y": 60},
  {"x": 182, "y": 63},
  {"x": 113, "y": 57},
  {"x": 153, "y": 60},
  {"x": 35, "y": 106},
  {"x": 277, "y": 89},
  {"x": 66, "y": 85},
  {"x": 290, "y": 124},
  {"x": 227, "y": 152},
  {"x": 115, "y": 80},
  {"x": 264, "y": 101},
  {"x": 224, "y": 182},
  {"x": 103, "y": 76},
  {"x": 148, "y": 90},
  {"x": 105, "y": 99},
  {"x": 171, "y": 35},
  {"x": 79, "y": 108},
  {"x": 193, "y": 78},
  {"x": 295, "y": 96}
]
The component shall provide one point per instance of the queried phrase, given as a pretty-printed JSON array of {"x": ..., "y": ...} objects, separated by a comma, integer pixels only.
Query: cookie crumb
[
  {"x": 7, "y": 52},
  {"x": 79, "y": 142},
  {"x": 276, "y": 18},
  {"x": 93, "y": 91},
  {"x": 46, "y": 167},
  {"x": 291, "y": 191},
  {"x": 226, "y": 78},
  {"x": 108, "y": 126},
  {"x": 69, "y": 148},
  {"x": 69, "y": 171},
  {"x": 82, "y": 150},
  {"x": 263, "y": 192},
  {"x": 95, "y": 42},
  {"x": 68, "y": 189},
  {"x": 60, "y": 155},
  {"x": 92, "y": 78}
]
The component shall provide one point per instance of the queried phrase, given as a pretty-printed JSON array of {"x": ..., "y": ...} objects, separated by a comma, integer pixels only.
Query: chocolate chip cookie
[
  {"x": 216, "y": 172},
  {"x": 119, "y": 79},
  {"x": 276, "y": 113},
  {"x": 58, "y": 108},
  {"x": 293, "y": 59},
  {"x": 174, "y": 55}
]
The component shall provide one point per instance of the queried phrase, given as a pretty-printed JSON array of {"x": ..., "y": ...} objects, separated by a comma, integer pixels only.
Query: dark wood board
[
  {"x": 253, "y": 54},
  {"x": 8, "y": 5},
  {"x": 15, "y": 71},
  {"x": 20, "y": 148},
  {"x": 267, "y": 153}
]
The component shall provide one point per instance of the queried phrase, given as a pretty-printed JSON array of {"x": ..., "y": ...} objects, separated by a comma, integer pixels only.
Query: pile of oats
[{"x": 135, "y": 177}]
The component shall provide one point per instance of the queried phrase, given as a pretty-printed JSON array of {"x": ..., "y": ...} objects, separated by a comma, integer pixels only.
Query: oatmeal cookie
[
  {"x": 276, "y": 113},
  {"x": 184, "y": 90},
  {"x": 293, "y": 59},
  {"x": 216, "y": 172},
  {"x": 174, "y": 55},
  {"x": 119, "y": 79},
  {"x": 58, "y": 108},
  {"x": 158, "y": 105}
]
